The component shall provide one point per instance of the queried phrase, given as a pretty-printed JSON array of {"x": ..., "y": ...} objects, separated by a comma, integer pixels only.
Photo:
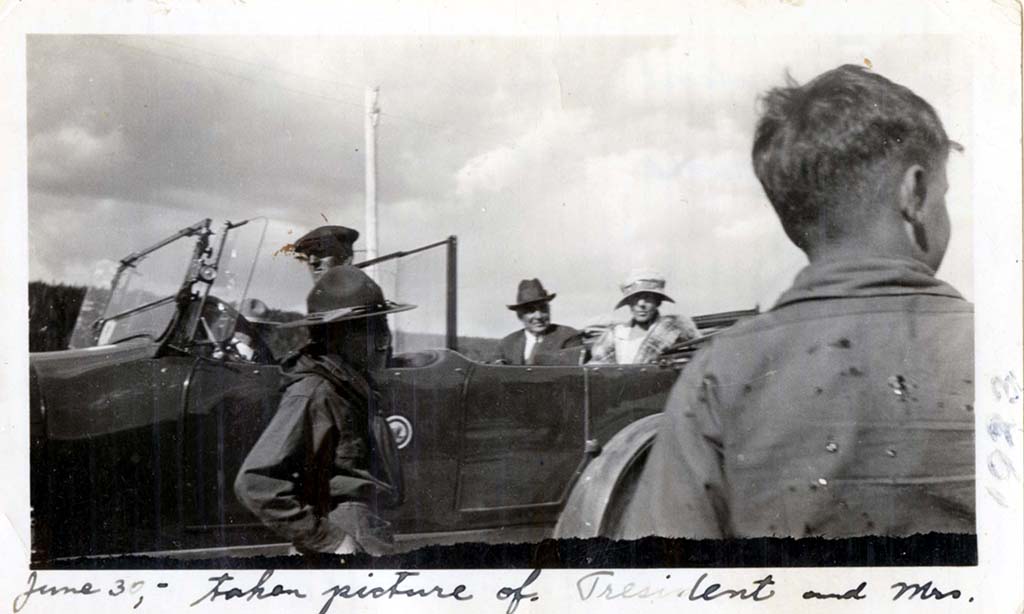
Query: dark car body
[
  {"x": 136, "y": 444},
  {"x": 134, "y": 451}
]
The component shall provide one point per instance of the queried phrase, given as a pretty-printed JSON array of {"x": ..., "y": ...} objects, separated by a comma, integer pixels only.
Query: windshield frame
[
  {"x": 93, "y": 329},
  {"x": 196, "y": 315}
]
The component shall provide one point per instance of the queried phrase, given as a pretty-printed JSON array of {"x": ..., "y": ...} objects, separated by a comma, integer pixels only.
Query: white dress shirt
[{"x": 531, "y": 340}]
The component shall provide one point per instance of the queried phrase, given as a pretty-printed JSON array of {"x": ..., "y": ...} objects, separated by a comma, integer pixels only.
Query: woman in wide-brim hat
[
  {"x": 328, "y": 452},
  {"x": 648, "y": 333},
  {"x": 649, "y": 283}
]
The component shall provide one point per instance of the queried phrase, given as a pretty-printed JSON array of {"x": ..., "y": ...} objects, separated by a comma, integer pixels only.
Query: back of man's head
[{"x": 831, "y": 152}]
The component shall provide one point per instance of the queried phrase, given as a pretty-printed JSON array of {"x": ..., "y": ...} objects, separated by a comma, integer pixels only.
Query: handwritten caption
[
  {"x": 593, "y": 586},
  {"x": 1005, "y": 389}
]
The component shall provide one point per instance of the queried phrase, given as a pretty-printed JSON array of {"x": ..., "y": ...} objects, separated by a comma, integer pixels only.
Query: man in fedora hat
[
  {"x": 540, "y": 341},
  {"x": 326, "y": 458},
  {"x": 326, "y": 247},
  {"x": 649, "y": 332}
]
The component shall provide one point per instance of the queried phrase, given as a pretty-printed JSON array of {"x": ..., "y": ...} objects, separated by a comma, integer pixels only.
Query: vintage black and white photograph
[{"x": 703, "y": 299}]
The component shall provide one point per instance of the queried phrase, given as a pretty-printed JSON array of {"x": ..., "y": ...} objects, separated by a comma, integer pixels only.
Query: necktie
[{"x": 533, "y": 350}]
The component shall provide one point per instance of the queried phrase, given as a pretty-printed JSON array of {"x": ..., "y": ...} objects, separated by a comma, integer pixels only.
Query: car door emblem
[{"x": 401, "y": 430}]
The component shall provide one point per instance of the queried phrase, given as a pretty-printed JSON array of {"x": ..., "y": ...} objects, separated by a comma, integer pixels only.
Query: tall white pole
[{"x": 370, "y": 133}]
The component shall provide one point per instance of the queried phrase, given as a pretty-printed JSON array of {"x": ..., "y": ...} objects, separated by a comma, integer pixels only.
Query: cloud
[
  {"x": 553, "y": 141},
  {"x": 73, "y": 151},
  {"x": 573, "y": 159},
  {"x": 77, "y": 144},
  {"x": 178, "y": 127}
]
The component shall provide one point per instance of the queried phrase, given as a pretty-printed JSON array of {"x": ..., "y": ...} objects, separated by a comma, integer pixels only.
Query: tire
[{"x": 598, "y": 500}]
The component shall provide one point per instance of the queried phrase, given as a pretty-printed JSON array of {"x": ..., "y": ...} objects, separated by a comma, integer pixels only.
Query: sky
[{"x": 569, "y": 159}]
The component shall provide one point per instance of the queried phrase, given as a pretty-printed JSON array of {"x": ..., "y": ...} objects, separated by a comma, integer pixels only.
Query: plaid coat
[{"x": 665, "y": 332}]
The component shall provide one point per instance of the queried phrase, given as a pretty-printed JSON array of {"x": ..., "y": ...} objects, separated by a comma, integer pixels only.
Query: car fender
[{"x": 596, "y": 500}]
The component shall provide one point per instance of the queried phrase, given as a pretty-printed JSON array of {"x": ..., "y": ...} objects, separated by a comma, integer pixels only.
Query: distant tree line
[
  {"x": 52, "y": 311},
  {"x": 54, "y": 308},
  {"x": 476, "y": 348}
]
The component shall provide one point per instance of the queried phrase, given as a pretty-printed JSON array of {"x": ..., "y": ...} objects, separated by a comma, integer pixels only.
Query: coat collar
[
  {"x": 312, "y": 360},
  {"x": 864, "y": 278}
]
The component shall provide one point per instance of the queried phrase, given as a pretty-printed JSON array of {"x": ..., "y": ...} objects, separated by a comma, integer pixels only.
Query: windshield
[
  {"x": 242, "y": 244},
  {"x": 140, "y": 303},
  {"x": 277, "y": 285}
]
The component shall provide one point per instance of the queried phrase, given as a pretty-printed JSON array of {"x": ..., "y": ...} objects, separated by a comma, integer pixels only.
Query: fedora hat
[
  {"x": 531, "y": 291},
  {"x": 640, "y": 281},
  {"x": 326, "y": 241},
  {"x": 345, "y": 293}
]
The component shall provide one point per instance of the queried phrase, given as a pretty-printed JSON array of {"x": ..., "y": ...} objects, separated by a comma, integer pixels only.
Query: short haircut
[{"x": 817, "y": 145}]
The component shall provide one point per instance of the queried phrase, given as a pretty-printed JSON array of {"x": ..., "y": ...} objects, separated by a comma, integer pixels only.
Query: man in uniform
[
  {"x": 648, "y": 333},
  {"x": 540, "y": 341},
  {"x": 846, "y": 409},
  {"x": 326, "y": 247},
  {"x": 326, "y": 459}
]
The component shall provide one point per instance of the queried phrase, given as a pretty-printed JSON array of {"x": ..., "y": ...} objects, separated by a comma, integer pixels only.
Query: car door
[
  {"x": 229, "y": 404},
  {"x": 105, "y": 481},
  {"x": 423, "y": 402},
  {"x": 521, "y": 443}
]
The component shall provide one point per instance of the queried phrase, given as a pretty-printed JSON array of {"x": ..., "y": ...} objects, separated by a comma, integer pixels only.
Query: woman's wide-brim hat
[
  {"x": 345, "y": 293},
  {"x": 640, "y": 282},
  {"x": 531, "y": 291}
]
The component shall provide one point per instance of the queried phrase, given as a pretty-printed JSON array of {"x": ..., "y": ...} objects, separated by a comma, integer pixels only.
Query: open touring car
[{"x": 138, "y": 431}]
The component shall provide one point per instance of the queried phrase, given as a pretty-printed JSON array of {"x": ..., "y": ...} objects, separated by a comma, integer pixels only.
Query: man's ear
[
  {"x": 913, "y": 189},
  {"x": 912, "y": 196}
]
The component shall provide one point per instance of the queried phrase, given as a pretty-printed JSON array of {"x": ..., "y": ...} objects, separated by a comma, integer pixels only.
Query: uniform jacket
[
  {"x": 666, "y": 331},
  {"x": 557, "y": 338},
  {"x": 317, "y": 457},
  {"x": 845, "y": 410}
]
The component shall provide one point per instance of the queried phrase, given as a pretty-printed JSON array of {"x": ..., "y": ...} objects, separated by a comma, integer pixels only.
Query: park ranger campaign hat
[
  {"x": 327, "y": 241},
  {"x": 531, "y": 291},
  {"x": 640, "y": 281},
  {"x": 345, "y": 293}
]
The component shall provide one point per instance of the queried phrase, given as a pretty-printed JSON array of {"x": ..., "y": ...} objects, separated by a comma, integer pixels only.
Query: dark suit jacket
[{"x": 557, "y": 338}]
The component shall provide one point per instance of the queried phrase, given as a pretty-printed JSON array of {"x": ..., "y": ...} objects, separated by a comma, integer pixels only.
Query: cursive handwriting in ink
[
  {"x": 257, "y": 591},
  {"x": 714, "y": 591},
  {"x": 853, "y": 593},
  {"x": 588, "y": 585},
  {"x": 515, "y": 595},
  {"x": 923, "y": 591},
  {"x": 1006, "y": 386},
  {"x": 50, "y": 591},
  {"x": 119, "y": 589},
  {"x": 378, "y": 592},
  {"x": 1000, "y": 429},
  {"x": 600, "y": 585}
]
